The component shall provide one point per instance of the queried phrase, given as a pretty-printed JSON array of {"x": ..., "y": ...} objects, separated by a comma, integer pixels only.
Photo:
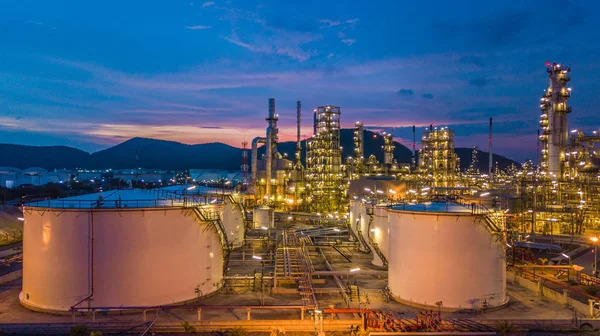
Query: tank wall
[
  {"x": 355, "y": 211},
  {"x": 379, "y": 233},
  {"x": 140, "y": 258},
  {"x": 234, "y": 223},
  {"x": 359, "y": 218},
  {"x": 449, "y": 258}
]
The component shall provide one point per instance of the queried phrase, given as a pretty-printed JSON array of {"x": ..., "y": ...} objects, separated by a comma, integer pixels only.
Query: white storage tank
[
  {"x": 264, "y": 217},
  {"x": 379, "y": 234},
  {"x": 117, "y": 249},
  {"x": 444, "y": 253},
  {"x": 359, "y": 219},
  {"x": 233, "y": 221}
]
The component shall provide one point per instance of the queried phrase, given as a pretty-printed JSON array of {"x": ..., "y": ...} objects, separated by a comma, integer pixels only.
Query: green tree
[
  {"x": 187, "y": 327},
  {"x": 237, "y": 331},
  {"x": 505, "y": 328},
  {"x": 78, "y": 330}
]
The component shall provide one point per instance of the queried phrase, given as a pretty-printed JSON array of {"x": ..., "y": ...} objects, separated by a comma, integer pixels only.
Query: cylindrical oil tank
[
  {"x": 117, "y": 257},
  {"x": 359, "y": 219},
  {"x": 379, "y": 234},
  {"x": 264, "y": 217},
  {"x": 233, "y": 222},
  {"x": 446, "y": 258}
]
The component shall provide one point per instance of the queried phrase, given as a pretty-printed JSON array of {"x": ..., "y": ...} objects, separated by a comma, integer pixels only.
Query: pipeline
[
  {"x": 336, "y": 278},
  {"x": 255, "y": 143},
  {"x": 490, "y": 163},
  {"x": 91, "y": 262}
]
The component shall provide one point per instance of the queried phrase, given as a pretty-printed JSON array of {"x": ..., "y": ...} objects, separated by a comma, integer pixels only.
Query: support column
[
  {"x": 321, "y": 329},
  {"x": 302, "y": 314},
  {"x": 199, "y": 314},
  {"x": 94, "y": 315},
  {"x": 249, "y": 309},
  {"x": 540, "y": 289},
  {"x": 144, "y": 315},
  {"x": 565, "y": 297},
  {"x": 591, "y": 302}
]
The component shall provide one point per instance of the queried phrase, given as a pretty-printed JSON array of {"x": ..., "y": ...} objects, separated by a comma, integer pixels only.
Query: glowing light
[{"x": 355, "y": 269}]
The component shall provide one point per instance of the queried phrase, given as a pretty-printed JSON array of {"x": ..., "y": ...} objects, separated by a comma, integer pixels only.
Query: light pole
[{"x": 595, "y": 240}]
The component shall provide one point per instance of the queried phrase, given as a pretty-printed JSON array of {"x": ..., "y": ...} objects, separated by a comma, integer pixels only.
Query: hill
[
  {"x": 162, "y": 154},
  {"x": 152, "y": 153},
  {"x": 465, "y": 155},
  {"x": 49, "y": 157}
]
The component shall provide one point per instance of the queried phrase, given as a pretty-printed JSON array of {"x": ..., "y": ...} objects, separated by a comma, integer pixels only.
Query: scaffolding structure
[
  {"x": 388, "y": 149},
  {"x": 244, "y": 166},
  {"x": 437, "y": 161},
  {"x": 327, "y": 185}
]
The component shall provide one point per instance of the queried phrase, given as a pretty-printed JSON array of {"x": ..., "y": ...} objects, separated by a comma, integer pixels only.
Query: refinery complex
[{"x": 322, "y": 243}]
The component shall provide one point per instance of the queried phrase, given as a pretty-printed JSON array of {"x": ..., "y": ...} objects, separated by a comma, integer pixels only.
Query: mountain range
[{"x": 162, "y": 154}]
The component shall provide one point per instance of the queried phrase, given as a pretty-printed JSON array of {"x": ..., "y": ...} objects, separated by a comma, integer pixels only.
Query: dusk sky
[{"x": 91, "y": 75}]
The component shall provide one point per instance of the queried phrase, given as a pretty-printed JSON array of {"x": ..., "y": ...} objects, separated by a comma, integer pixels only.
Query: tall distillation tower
[
  {"x": 327, "y": 186},
  {"x": 437, "y": 159},
  {"x": 553, "y": 121}
]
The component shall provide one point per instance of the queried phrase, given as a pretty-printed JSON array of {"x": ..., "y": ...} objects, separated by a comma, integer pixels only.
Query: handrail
[
  {"x": 535, "y": 276},
  {"x": 150, "y": 326},
  {"x": 166, "y": 199}
]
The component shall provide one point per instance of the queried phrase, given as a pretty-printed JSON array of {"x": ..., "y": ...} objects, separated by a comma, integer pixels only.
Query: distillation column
[
  {"x": 359, "y": 142},
  {"x": 271, "y": 140},
  {"x": 388, "y": 148},
  {"x": 554, "y": 120},
  {"x": 324, "y": 162},
  {"x": 298, "y": 141}
]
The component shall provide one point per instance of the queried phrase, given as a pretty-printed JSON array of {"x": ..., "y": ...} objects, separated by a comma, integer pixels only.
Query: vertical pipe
[
  {"x": 315, "y": 122},
  {"x": 298, "y": 106},
  {"x": 539, "y": 161},
  {"x": 298, "y": 143},
  {"x": 270, "y": 133},
  {"x": 490, "y": 167},
  {"x": 414, "y": 146},
  {"x": 255, "y": 143}
]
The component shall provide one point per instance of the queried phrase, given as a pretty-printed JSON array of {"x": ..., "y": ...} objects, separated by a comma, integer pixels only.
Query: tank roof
[
  {"x": 450, "y": 207},
  {"x": 123, "y": 198},
  {"x": 193, "y": 189}
]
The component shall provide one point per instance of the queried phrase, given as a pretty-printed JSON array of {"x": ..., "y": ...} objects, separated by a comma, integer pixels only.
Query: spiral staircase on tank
[{"x": 213, "y": 220}]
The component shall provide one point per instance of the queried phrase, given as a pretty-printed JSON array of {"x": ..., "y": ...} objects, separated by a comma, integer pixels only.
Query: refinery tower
[{"x": 553, "y": 121}]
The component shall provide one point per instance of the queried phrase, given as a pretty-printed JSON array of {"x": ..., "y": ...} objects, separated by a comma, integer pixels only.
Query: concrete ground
[
  {"x": 523, "y": 303},
  {"x": 371, "y": 280}
]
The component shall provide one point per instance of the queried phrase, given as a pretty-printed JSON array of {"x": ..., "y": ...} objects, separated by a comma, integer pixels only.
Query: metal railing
[
  {"x": 206, "y": 214},
  {"x": 106, "y": 204},
  {"x": 165, "y": 199}
]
